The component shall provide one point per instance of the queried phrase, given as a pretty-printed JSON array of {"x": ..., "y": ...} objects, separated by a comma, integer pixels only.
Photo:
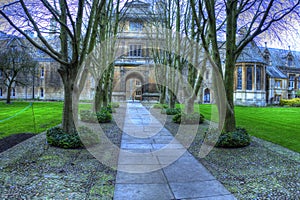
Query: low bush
[
  {"x": 88, "y": 137},
  {"x": 109, "y": 109},
  {"x": 185, "y": 118},
  {"x": 173, "y": 111},
  {"x": 58, "y": 138},
  {"x": 160, "y": 106},
  {"x": 88, "y": 116},
  {"x": 235, "y": 139},
  {"x": 114, "y": 104},
  {"x": 104, "y": 116},
  {"x": 290, "y": 102}
]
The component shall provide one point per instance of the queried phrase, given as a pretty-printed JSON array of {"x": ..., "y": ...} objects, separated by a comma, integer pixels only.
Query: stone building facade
[{"x": 262, "y": 75}]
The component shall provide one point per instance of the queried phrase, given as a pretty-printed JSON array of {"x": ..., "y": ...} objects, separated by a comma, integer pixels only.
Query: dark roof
[
  {"x": 251, "y": 53},
  {"x": 278, "y": 57},
  {"x": 137, "y": 10},
  {"x": 274, "y": 72}
]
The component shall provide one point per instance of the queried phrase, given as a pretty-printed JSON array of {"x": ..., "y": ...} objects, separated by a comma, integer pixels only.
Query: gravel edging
[
  {"x": 262, "y": 170},
  {"x": 30, "y": 171}
]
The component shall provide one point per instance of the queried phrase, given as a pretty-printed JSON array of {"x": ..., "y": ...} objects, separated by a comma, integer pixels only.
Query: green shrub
[
  {"x": 114, "y": 104},
  {"x": 235, "y": 139},
  {"x": 192, "y": 118},
  {"x": 290, "y": 102},
  {"x": 88, "y": 137},
  {"x": 160, "y": 106},
  {"x": 109, "y": 109},
  {"x": 173, "y": 111},
  {"x": 88, "y": 116},
  {"x": 104, "y": 116},
  {"x": 58, "y": 138}
]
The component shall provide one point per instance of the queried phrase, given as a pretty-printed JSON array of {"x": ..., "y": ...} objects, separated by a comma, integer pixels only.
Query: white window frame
[{"x": 135, "y": 50}]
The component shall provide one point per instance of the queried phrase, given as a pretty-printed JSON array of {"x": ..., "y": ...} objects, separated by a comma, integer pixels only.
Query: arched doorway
[
  {"x": 206, "y": 97},
  {"x": 134, "y": 82}
]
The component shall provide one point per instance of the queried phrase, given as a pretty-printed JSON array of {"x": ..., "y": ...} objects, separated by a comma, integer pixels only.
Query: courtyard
[{"x": 263, "y": 170}]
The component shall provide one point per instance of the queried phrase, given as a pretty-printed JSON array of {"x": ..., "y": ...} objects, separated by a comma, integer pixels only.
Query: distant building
[{"x": 262, "y": 75}]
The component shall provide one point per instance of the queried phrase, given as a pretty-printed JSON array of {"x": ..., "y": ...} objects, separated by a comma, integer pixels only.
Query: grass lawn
[
  {"x": 280, "y": 125},
  {"x": 47, "y": 114}
]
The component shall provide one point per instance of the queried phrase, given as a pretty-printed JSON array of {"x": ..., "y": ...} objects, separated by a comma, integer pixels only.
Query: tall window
[
  {"x": 258, "y": 78},
  {"x": 13, "y": 92},
  {"x": 278, "y": 84},
  {"x": 1, "y": 73},
  {"x": 135, "y": 50},
  {"x": 135, "y": 26},
  {"x": 249, "y": 78},
  {"x": 0, "y": 92},
  {"x": 42, "y": 72},
  {"x": 292, "y": 81},
  {"x": 207, "y": 75},
  {"x": 42, "y": 92},
  {"x": 239, "y": 78},
  {"x": 206, "y": 96},
  {"x": 290, "y": 61},
  {"x": 277, "y": 98}
]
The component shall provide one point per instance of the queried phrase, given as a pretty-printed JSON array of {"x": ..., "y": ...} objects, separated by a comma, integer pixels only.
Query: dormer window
[
  {"x": 135, "y": 26},
  {"x": 290, "y": 61}
]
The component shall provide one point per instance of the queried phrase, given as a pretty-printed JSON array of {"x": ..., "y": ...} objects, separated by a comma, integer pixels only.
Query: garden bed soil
[{"x": 14, "y": 139}]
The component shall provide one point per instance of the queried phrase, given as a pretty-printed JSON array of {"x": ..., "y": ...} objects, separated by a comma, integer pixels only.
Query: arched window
[
  {"x": 206, "y": 98},
  {"x": 42, "y": 92}
]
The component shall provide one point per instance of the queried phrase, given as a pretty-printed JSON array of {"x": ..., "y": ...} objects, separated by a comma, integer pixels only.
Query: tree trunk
[
  {"x": 68, "y": 123},
  {"x": 70, "y": 108},
  {"x": 8, "y": 94},
  {"x": 230, "y": 124},
  {"x": 98, "y": 97}
]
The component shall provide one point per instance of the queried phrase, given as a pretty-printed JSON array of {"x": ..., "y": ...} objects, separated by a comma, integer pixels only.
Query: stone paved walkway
[{"x": 155, "y": 166}]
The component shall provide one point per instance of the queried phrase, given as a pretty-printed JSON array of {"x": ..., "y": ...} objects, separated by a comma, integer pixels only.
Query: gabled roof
[
  {"x": 137, "y": 10},
  {"x": 251, "y": 53},
  {"x": 278, "y": 57},
  {"x": 274, "y": 72}
]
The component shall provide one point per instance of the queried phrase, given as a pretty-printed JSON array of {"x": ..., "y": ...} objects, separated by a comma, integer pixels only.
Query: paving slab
[
  {"x": 142, "y": 192},
  {"x": 153, "y": 165}
]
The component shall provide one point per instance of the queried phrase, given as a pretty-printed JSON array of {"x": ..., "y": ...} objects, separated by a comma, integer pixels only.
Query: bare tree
[
  {"x": 16, "y": 63},
  {"x": 66, "y": 31},
  {"x": 216, "y": 19}
]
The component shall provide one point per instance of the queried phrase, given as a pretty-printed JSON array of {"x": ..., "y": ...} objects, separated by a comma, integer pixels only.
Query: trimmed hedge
[
  {"x": 235, "y": 139},
  {"x": 290, "y": 102},
  {"x": 58, "y": 138},
  {"x": 192, "y": 118}
]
